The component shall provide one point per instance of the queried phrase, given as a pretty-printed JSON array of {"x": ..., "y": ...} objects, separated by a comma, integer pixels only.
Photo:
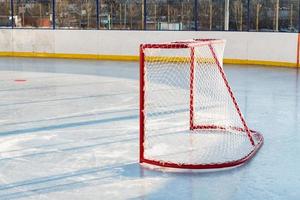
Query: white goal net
[{"x": 189, "y": 115}]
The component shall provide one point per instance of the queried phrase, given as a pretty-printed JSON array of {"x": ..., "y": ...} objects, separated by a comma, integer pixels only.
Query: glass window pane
[
  {"x": 76, "y": 14},
  {"x": 274, "y": 15},
  {"x": 262, "y": 15},
  {"x": 5, "y": 15},
  {"x": 288, "y": 15},
  {"x": 170, "y": 15},
  {"x": 33, "y": 14},
  {"x": 238, "y": 15},
  {"x": 211, "y": 15},
  {"x": 121, "y": 14}
]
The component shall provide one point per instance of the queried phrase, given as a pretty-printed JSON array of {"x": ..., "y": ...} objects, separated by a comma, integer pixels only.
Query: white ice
[{"x": 71, "y": 132}]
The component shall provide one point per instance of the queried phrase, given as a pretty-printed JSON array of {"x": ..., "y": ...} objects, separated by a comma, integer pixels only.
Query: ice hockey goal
[{"x": 189, "y": 117}]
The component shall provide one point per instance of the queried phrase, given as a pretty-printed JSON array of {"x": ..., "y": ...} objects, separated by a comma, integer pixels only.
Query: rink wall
[{"x": 274, "y": 49}]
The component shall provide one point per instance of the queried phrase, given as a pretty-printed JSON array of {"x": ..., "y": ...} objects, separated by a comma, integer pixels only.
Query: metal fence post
[
  {"x": 145, "y": 15},
  {"x": 196, "y": 14},
  {"x": 97, "y": 13},
  {"x": 53, "y": 15},
  {"x": 12, "y": 13},
  {"x": 248, "y": 15}
]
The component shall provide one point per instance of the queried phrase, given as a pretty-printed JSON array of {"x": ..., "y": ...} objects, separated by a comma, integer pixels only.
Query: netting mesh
[{"x": 190, "y": 115}]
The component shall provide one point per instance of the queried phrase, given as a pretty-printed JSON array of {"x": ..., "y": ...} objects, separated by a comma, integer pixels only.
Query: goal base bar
[{"x": 212, "y": 166}]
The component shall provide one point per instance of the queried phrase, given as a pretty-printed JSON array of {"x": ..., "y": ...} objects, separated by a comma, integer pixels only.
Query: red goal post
[{"x": 189, "y": 117}]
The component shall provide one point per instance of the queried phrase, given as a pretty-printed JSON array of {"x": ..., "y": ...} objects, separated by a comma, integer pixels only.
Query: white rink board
[{"x": 276, "y": 47}]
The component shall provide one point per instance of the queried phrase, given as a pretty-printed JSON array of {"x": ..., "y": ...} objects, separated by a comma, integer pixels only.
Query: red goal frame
[{"x": 191, "y": 44}]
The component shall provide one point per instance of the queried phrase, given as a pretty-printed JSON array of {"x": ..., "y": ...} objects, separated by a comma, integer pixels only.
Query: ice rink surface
[{"x": 69, "y": 130}]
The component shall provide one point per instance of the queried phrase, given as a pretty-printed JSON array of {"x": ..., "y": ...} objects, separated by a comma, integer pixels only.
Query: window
[
  {"x": 33, "y": 14},
  {"x": 288, "y": 15},
  {"x": 170, "y": 15},
  {"x": 211, "y": 15},
  {"x": 238, "y": 15},
  {"x": 263, "y": 15},
  {"x": 76, "y": 14},
  {"x": 5, "y": 13},
  {"x": 186, "y": 15},
  {"x": 121, "y": 14},
  {"x": 274, "y": 15}
]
